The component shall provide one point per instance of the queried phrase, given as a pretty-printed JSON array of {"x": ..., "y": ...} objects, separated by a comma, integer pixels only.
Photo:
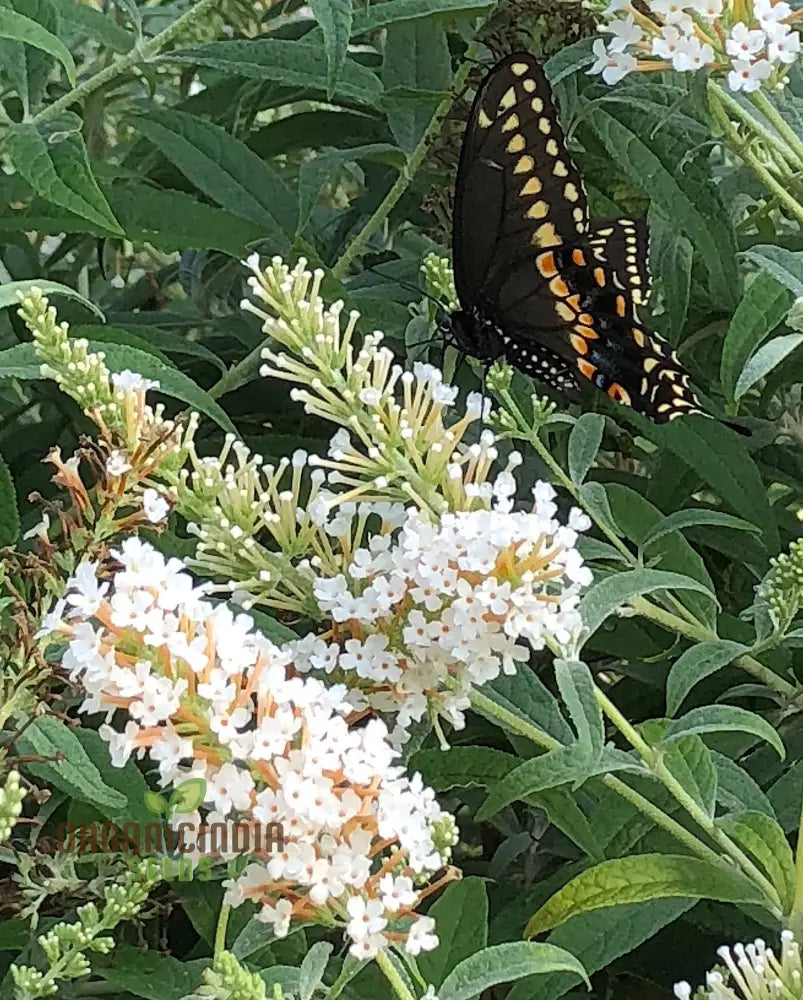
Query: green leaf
[
  {"x": 737, "y": 790},
  {"x": 335, "y": 18},
  {"x": 556, "y": 767},
  {"x": 296, "y": 63},
  {"x": 224, "y": 169},
  {"x": 764, "y": 360},
  {"x": 54, "y": 161},
  {"x": 94, "y": 25},
  {"x": 784, "y": 265},
  {"x": 23, "y": 29},
  {"x": 156, "y": 803},
  {"x": 525, "y": 695},
  {"x": 310, "y": 974},
  {"x": 671, "y": 258},
  {"x": 639, "y": 878},
  {"x": 576, "y": 686},
  {"x": 603, "y": 598},
  {"x": 724, "y": 719},
  {"x": 151, "y": 975},
  {"x": 691, "y": 518},
  {"x": 504, "y": 963},
  {"x": 720, "y": 459},
  {"x": 382, "y": 14},
  {"x": 463, "y": 766},
  {"x": 569, "y": 60},
  {"x": 598, "y": 938},
  {"x": 416, "y": 56},
  {"x": 461, "y": 916},
  {"x": 9, "y": 294},
  {"x": 9, "y": 514},
  {"x": 75, "y": 773},
  {"x": 21, "y": 362},
  {"x": 26, "y": 68},
  {"x": 764, "y": 304},
  {"x": 584, "y": 442},
  {"x": 766, "y": 841},
  {"x": 689, "y": 761},
  {"x": 785, "y": 796},
  {"x": 594, "y": 498},
  {"x": 187, "y": 797},
  {"x": 696, "y": 663}
]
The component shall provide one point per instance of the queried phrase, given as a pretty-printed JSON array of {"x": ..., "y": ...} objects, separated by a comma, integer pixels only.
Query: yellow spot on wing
[
  {"x": 524, "y": 165},
  {"x": 483, "y": 119},
  {"x": 649, "y": 364},
  {"x": 546, "y": 236},
  {"x": 544, "y": 125},
  {"x": 570, "y": 191},
  {"x": 564, "y": 312},
  {"x": 516, "y": 144},
  {"x": 537, "y": 105},
  {"x": 538, "y": 210},
  {"x": 531, "y": 187},
  {"x": 508, "y": 99},
  {"x": 560, "y": 169},
  {"x": 519, "y": 68},
  {"x": 638, "y": 336},
  {"x": 579, "y": 344},
  {"x": 529, "y": 85},
  {"x": 552, "y": 147},
  {"x": 511, "y": 123}
]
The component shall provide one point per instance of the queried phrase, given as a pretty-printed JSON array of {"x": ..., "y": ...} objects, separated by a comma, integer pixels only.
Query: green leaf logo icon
[
  {"x": 187, "y": 796},
  {"x": 156, "y": 803}
]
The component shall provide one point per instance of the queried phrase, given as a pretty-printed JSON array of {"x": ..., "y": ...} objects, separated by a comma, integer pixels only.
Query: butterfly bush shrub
[{"x": 445, "y": 688}]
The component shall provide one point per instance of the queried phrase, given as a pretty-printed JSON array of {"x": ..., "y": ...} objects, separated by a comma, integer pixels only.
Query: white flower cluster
[
  {"x": 753, "y": 972},
  {"x": 439, "y": 607},
  {"x": 208, "y": 697},
  {"x": 690, "y": 34}
]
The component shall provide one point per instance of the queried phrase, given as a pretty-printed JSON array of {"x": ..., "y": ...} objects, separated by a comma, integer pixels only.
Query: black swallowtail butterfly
[{"x": 538, "y": 283}]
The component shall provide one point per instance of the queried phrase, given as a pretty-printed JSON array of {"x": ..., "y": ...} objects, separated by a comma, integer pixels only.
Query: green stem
[
  {"x": 391, "y": 973},
  {"x": 122, "y": 64},
  {"x": 357, "y": 246},
  {"x": 220, "y": 934},
  {"x": 698, "y": 633},
  {"x": 654, "y": 762},
  {"x": 760, "y": 101},
  {"x": 236, "y": 375},
  {"x": 509, "y": 720},
  {"x": 718, "y": 99},
  {"x": 785, "y": 155}
]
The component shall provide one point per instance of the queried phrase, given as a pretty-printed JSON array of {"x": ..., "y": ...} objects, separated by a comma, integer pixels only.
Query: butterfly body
[{"x": 539, "y": 283}]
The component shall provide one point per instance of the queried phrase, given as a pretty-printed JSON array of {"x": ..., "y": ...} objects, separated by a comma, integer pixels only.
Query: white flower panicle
[
  {"x": 205, "y": 695},
  {"x": 752, "y": 972},
  {"x": 444, "y": 606},
  {"x": 752, "y": 44}
]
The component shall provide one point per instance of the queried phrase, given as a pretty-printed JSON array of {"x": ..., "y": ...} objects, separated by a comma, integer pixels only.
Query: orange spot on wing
[
  {"x": 619, "y": 394},
  {"x": 599, "y": 276},
  {"x": 586, "y": 368},
  {"x": 559, "y": 287},
  {"x": 586, "y": 319},
  {"x": 579, "y": 258},
  {"x": 638, "y": 336},
  {"x": 574, "y": 302},
  {"x": 546, "y": 265},
  {"x": 621, "y": 305},
  {"x": 579, "y": 343}
]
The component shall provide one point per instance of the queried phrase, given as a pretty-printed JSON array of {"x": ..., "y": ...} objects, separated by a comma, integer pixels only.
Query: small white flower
[
  {"x": 709, "y": 9},
  {"x": 665, "y": 45},
  {"x": 128, "y": 381},
  {"x": 117, "y": 464},
  {"x": 784, "y": 45},
  {"x": 692, "y": 54},
  {"x": 771, "y": 12},
  {"x": 748, "y": 76},
  {"x": 421, "y": 937},
  {"x": 625, "y": 32},
  {"x": 671, "y": 11},
  {"x": 39, "y": 530},
  {"x": 743, "y": 43},
  {"x": 156, "y": 508},
  {"x": 614, "y": 66}
]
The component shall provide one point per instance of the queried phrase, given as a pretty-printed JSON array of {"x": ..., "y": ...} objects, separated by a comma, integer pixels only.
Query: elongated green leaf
[
  {"x": 691, "y": 518},
  {"x": 295, "y": 63},
  {"x": 94, "y": 25},
  {"x": 786, "y": 266},
  {"x": 23, "y": 29},
  {"x": 576, "y": 686},
  {"x": 223, "y": 168},
  {"x": 416, "y": 57},
  {"x": 9, "y": 293},
  {"x": 312, "y": 969},
  {"x": 764, "y": 304},
  {"x": 549, "y": 770},
  {"x": 463, "y": 766},
  {"x": 21, "y": 362},
  {"x": 569, "y": 60},
  {"x": 766, "y": 841},
  {"x": 584, "y": 442},
  {"x": 74, "y": 772},
  {"x": 671, "y": 263},
  {"x": 56, "y": 165},
  {"x": 151, "y": 975},
  {"x": 696, "y": 663},
  {"x": 525, "y": 695},
  {"x": 381, "y": 15},
  {"x": 9, "y": 514},
  {"x": 595, "y": 500},
  {"x": 689, "y": 761},
  {"x": 335, "y": 18},
  {"x": 150, "y": 338},
  {"x": 764, "y": 360},
  {"x": 504, "y": 963},
  {"x": 603, "y": 598},
  {"x": 639, "y": 878},
  {"x": 724, "y": 719},
  {"x": 737, "y": 790},
  {"x": 26, "y": 68},
  {"x": 461, "y": 916}
]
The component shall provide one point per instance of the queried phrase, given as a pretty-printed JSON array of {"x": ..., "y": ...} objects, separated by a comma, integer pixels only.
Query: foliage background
[{"x": 230, "y": 127}]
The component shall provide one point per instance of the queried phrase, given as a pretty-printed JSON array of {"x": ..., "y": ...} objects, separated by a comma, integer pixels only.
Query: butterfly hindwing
[
  {"x": 625, "y": 244},
  {"x": 517, "y": 188}
]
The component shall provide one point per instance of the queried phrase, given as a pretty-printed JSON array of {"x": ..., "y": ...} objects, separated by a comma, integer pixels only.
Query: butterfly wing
[
  {"x": 516, "y": 186},
  {"x": 625, "y": 244}
]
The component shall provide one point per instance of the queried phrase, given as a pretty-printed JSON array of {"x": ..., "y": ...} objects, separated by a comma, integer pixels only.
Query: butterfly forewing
[{"x": 517, "y": 189}]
